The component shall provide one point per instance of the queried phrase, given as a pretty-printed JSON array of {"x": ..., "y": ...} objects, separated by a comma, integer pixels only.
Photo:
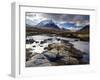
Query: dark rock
[
  {"x": 58, "y": 39},
  {"x": 42, "y": 42},
  {"x": 34, "y": 46},
  {"x": 68, "y": 47},
  {"x": 29, "y": 41},
  {"x": 65, "y": 41},
  {"x": 41, "y": 46},
  {"x": 51, "y": 46},
  {"x": 36, "y": 41},
  {"x": 49, "y": 39},
  {"x": 28, "y": 54},
  {"x": 85, "y": 59},
  {"x": 45, "y": 41},
  {"x": 76, "y": 40},
  {"x": 46, "y": 48},
  {"x": 51, "y": 56}
]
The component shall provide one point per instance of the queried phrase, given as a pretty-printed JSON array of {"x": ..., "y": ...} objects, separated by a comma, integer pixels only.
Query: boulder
[
  {"x": 28, "y": 54},
  {"x": 56, "y": 52},
  {"x": 56, "y": 46},
  {"x": 51, "y": 46},
  {"x": 63, "y": 53},
  {"x": 69, "y": 60},
  {"x": 38, "y": 60},
  {"x": 65, "y": 41},
  {"x": 58, "y": 39},
  {"x": 76, "y": 53},
  {"x": 50, "y": 55},
  {"x": 29, "y": 41},
  {"x": 73, "y": 60}
]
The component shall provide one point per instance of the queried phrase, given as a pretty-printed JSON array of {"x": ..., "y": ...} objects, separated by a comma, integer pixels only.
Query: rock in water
[
  {"x": 38, "y": 60},
  {"x": 73, "y": 61},
  {"x": 70, "y": 60},
  {"x": 28, "y": 54},
  {"x": 76, "y": 53},
  {"x": 56, "y": 54},
  {"x": 56, "y": 46},
  {"x": 50, "y": 55},
  {"x": 63, "y": 53}
]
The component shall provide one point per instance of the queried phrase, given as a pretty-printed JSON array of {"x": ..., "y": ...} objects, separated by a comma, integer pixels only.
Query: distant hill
[
  {"x": 70, "y": 26},
  {"x": 85, "y": 28},
  {"x": 50, "y": 24}
]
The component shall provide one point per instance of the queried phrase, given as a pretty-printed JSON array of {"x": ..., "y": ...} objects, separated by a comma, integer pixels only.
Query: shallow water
[{"x": 81, "y": 45}]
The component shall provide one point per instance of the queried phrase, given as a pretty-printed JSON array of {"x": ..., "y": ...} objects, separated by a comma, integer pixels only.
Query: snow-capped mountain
[
  {"x": 70, "y": 26},
  {"x": 48, "y": 24},
  {"x": 51, "y": 24},
  {"x": 30, "y": 22},
  {"x": 33, "y": 21}
]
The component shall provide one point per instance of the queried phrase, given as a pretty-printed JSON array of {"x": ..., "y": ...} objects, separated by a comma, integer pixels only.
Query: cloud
[{"x": 76, "y": 18}]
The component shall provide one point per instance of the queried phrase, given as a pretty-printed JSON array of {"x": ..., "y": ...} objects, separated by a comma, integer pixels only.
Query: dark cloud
[{"x": 62, "y": 17}]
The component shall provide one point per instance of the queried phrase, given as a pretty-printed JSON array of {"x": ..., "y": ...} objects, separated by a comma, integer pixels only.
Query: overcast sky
[{"x": 79, "y": 19}]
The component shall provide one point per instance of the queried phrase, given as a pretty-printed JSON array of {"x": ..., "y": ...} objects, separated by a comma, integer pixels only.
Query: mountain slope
[
  {"x": 47, "y": 24},
  {"x": 85, "y": 28}
]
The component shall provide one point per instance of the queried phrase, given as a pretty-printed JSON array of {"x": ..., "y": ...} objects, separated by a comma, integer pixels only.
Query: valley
[
  {"x": 52, "y": 47},
  {"x": 57, "y": 39}
]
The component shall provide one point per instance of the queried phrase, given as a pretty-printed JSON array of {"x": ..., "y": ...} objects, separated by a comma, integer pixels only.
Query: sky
[{"x": 80, "y": 20}]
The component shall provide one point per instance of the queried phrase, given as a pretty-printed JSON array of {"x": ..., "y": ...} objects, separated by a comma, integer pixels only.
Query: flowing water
[{"x": 37, "y": 47}]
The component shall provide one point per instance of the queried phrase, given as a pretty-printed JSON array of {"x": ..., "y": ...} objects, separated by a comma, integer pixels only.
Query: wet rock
[
  {"x": 45, "y": 41},
  {"x": 46, "y": 48},
  {"x": 41, "y": 46},
  {"x": 63, "y": 53},
  {"x": 65, "y": 41},
  {"x": 49, "y": 39},
  {"x": 54, "y": 51},
  {"x": 68, "y": 46},
  {"x": 69, "y": 61},
  {"x": 76, "y": 53},
  {"x": 42, "y": 42},
  {"x": 34, "y": 46},
  {"x": 73, "y": 60},
  {"x": 51, "y": 56},
  {"x": 30, "y": 41},
  {"x": 36, "y": 41},
  {"x": 58, "y": 39},
  {"x": 66, "y": 54},
  {"x": 51, "y": 46},
  {"x": 28, "y": 54},
  {"x": 76, "y": 40},
  {"x": 85, "y": 59},
  {"x": 38, "y": 60},
  {"x": 56, "y": 46},
  {"x": 58, "y": 50}
]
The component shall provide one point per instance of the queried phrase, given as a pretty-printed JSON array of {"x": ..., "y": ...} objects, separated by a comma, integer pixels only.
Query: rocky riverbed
[{"x": 43, "y": 50}]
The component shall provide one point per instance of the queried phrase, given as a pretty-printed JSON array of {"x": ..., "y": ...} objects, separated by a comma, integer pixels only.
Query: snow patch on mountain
[{"x": 49, "y": 23}]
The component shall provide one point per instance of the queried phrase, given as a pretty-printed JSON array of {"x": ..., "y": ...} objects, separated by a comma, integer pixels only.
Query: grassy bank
[{"x": 82, "y": 35}]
